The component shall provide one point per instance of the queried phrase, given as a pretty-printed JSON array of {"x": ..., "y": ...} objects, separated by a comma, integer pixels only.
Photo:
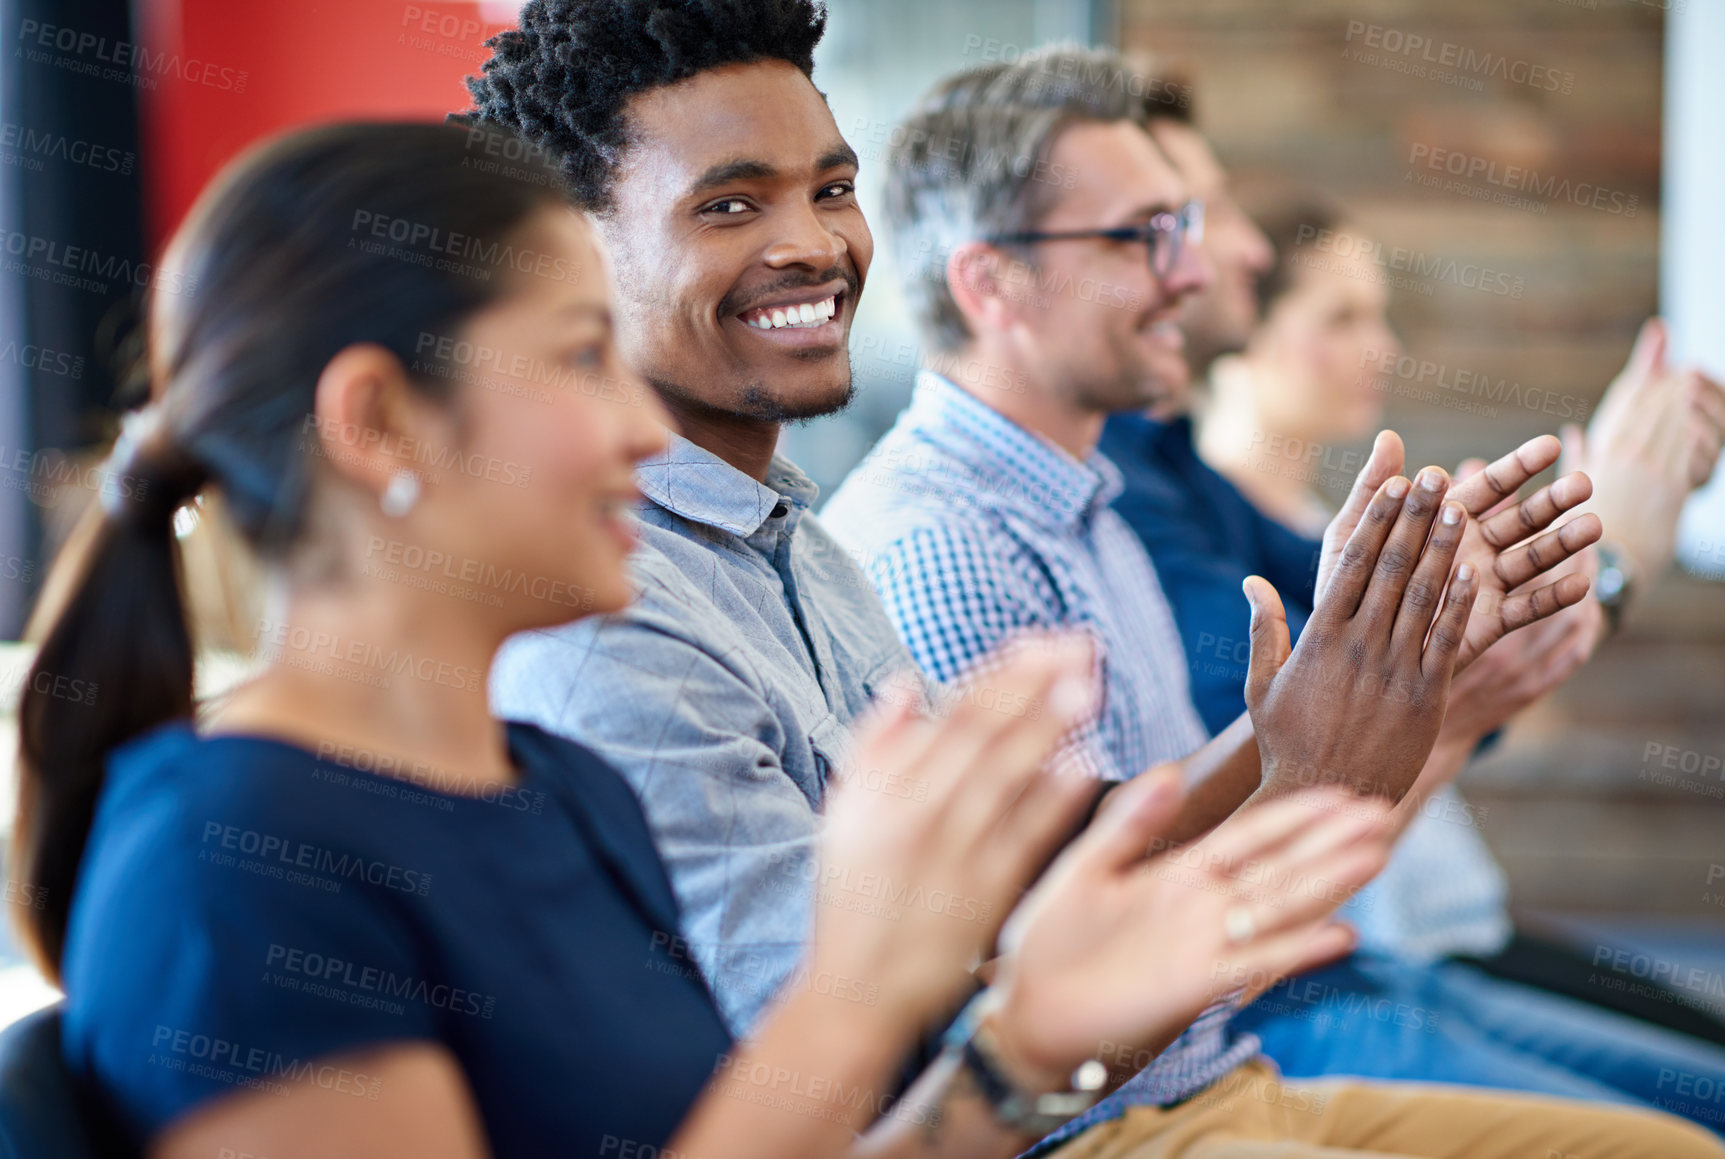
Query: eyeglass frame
[{"x": 1185, "y": 223}]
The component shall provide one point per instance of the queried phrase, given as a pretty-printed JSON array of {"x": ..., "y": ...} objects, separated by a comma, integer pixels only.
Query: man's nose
[
  {"x": 805, "y": 240},
  {"x": 1193, "y": 272}
]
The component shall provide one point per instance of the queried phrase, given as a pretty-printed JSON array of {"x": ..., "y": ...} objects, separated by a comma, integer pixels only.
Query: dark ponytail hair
[{"x": 280, "y": 265}]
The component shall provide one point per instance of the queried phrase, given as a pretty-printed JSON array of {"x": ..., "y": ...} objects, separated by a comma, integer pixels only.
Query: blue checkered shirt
[{"x": 972, "y": 528}]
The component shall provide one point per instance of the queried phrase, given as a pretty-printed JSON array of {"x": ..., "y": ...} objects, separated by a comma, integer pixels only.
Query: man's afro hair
[{"x": 561, "y": 79}]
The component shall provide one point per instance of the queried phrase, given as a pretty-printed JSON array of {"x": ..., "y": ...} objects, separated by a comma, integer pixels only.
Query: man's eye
[
  {"x": 588, "y": 357},
  {"x": 838, "y": 189},
  {"x": 729, "y": 206}
]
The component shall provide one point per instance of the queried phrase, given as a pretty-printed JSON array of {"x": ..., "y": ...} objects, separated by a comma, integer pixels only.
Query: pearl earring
[{"x": 400, "y": 495}]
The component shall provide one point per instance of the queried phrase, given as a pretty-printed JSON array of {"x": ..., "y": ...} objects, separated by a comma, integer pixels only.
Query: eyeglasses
[{"x": 1165, "y": 233}]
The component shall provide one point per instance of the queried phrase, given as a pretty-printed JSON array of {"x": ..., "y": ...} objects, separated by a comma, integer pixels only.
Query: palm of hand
[
  {"x": 1495, "y": 541},
  {"x": 1146, "y": 950},
  {"x": 1486, "y": 625},
  {"x": 1114, "y": 954}
]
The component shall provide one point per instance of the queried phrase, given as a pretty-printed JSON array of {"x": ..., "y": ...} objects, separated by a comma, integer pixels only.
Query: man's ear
[{"x": 979, "y": 278}]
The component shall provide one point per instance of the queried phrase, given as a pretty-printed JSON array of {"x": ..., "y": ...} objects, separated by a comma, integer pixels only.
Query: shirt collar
[
  {"x": 1021, "y": 469},
  {"x": 694, "y": 483},
  {"x": 1143, "y": 429}
]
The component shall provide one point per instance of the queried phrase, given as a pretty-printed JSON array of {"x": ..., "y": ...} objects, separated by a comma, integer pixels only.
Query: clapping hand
[{"x": 1125, "y": 942}]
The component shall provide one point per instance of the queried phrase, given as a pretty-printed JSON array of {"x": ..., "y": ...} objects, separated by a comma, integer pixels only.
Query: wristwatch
[
  {"x": 1614, "y": 583},
  {"x": 1033, "y": 1114}
]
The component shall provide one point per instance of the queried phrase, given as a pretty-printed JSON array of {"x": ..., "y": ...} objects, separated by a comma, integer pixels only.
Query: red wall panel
[{"x": 235, "y": 72}]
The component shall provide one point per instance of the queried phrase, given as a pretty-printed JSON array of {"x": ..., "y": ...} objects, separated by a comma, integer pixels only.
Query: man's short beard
[
  {"x": 1133, "y": 384},
  {"x": 1208, "y": 339},
  {"x": 756, "y": 403}
]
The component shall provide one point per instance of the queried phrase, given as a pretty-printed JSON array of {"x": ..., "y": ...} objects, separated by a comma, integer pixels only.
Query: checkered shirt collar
[{"x": 1025, "y": 470}]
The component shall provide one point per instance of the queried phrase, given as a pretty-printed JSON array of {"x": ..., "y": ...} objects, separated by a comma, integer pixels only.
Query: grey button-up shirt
[{"x": 725, "y": 694}]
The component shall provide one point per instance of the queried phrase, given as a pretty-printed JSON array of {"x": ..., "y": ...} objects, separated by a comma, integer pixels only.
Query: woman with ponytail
[{"x": 348, "y": 913}]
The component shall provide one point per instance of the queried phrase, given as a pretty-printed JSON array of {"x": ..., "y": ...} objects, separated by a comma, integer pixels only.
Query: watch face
[{"x": 1609, "y": 584}]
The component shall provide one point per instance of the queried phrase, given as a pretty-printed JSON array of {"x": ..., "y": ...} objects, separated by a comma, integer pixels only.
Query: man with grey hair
[{"x": 985, "y": 510}]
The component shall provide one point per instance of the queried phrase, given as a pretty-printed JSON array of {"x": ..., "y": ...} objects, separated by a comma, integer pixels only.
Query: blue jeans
[{"x": 1374, "y": 1017}]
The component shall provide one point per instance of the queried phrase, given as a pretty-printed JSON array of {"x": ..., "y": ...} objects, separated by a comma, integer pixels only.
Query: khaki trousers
[{"x": 1252, "y": 1114}]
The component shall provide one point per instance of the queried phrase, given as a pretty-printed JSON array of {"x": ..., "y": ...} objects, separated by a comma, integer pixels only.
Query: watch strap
[{"x": 1029, "y": 1113}]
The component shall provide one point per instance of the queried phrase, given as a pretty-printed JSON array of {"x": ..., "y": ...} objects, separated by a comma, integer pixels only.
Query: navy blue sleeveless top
[{"x": 246, "y": 911}]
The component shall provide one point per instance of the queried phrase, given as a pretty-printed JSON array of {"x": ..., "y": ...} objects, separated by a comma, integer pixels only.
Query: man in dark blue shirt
[{"x": 1206, "y": 538}]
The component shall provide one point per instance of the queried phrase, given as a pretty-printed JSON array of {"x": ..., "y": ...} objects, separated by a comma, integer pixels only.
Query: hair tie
[{"x": 148, "y": 475}]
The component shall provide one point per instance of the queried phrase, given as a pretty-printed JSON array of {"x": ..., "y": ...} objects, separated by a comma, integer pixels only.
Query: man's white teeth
[{"x": 802, "y": 314}]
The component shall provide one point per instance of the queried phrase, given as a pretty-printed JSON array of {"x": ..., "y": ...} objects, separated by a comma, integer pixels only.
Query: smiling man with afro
[{"x": 564, "y": 76}]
